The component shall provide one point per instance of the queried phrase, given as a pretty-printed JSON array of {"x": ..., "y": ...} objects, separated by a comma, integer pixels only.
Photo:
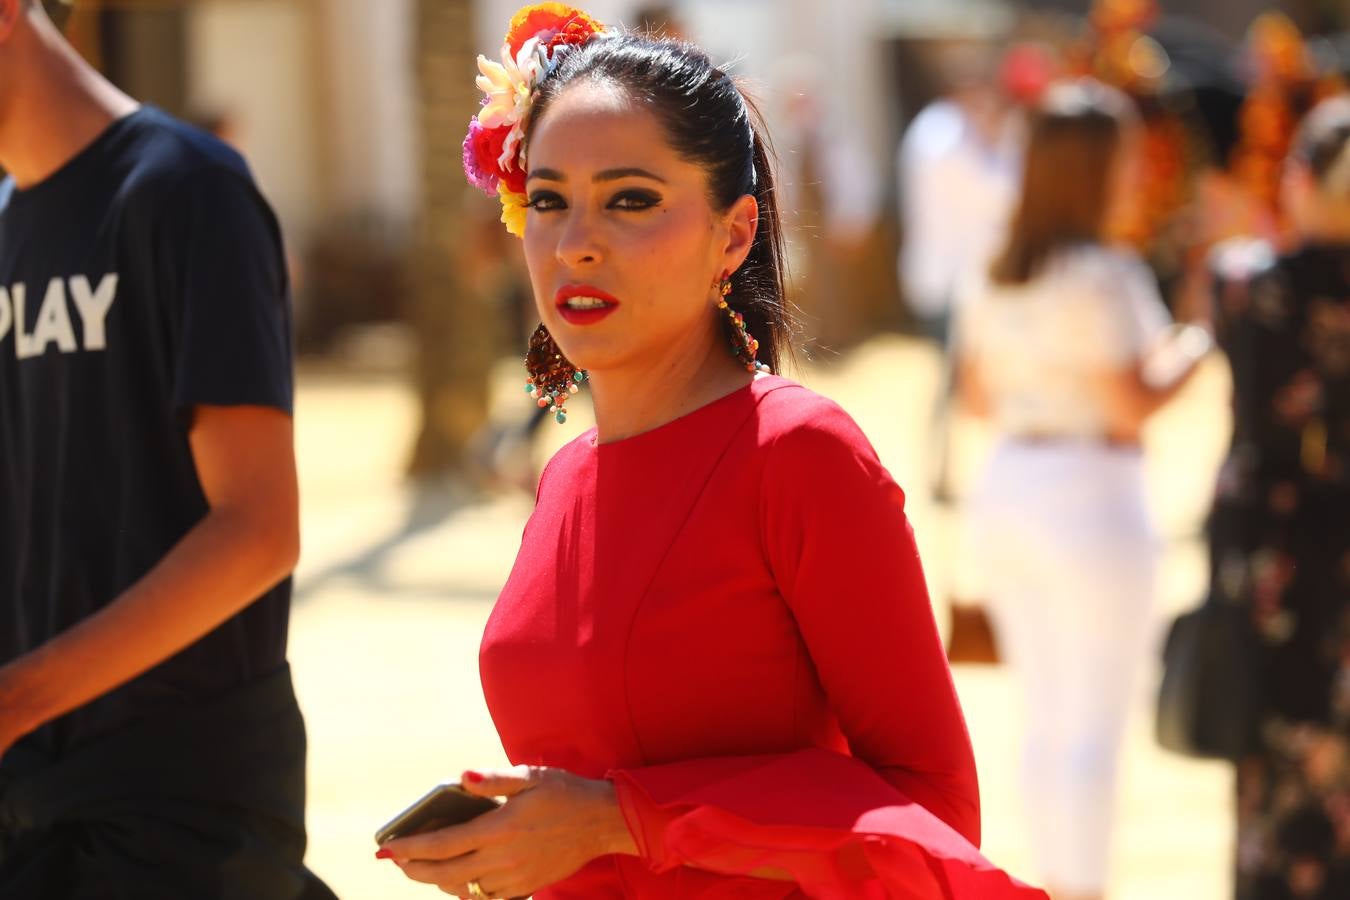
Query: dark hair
[
  {"x": 58, "y": 11},
  {"x": 1074, "y": 135},
  {"x": 709, "y": 122},
  {"x": 1323, "y": 145}
]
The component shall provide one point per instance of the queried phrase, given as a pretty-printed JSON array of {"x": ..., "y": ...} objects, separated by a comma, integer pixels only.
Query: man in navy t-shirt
[{"x": 150, "y": 743}]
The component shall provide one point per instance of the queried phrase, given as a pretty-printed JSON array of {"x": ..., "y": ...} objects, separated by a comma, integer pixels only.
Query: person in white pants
[{"x": 1067, "y": 346}]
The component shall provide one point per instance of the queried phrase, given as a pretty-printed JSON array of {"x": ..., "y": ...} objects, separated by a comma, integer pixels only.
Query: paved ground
[{"x": 395, "y": 587}]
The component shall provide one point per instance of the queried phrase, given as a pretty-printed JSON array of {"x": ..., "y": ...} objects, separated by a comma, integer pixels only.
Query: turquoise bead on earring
[{"x": 552, "y": 377}]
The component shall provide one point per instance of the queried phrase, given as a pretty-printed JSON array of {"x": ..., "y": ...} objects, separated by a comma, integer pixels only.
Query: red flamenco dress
[{"x": 727, "y": 617}]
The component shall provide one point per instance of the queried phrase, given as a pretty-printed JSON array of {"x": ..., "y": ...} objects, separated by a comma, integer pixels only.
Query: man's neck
[{"x": 59, "y": 107}]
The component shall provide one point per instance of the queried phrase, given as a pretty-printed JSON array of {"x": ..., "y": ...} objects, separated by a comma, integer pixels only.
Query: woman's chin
[{"x": 594, "y": 353}]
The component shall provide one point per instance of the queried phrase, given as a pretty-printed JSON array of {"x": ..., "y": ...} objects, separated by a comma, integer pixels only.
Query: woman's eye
[
  {"x": 543, "y": 201},
  {"x": 634, "y": 200}
]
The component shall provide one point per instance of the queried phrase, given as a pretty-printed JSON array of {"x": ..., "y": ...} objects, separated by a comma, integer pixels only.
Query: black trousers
[{"x": 205, "y": 803}]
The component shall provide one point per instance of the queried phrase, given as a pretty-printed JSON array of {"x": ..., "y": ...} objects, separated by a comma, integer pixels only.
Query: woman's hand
[{"x": 551, "y": 825}]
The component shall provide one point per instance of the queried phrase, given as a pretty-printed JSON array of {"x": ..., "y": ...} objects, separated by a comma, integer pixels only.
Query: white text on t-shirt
[{"x": 53, "y": 323}]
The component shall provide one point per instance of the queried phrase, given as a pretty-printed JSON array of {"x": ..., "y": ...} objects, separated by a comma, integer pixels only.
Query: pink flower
[
  {"x": 480, "y": 176},
  {"x": 493, "y": 159}
]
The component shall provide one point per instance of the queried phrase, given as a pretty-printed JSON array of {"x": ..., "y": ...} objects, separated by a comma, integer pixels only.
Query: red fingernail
[
  {"x": 473, "y": 777},
  {"x": 384, "y": 854}
]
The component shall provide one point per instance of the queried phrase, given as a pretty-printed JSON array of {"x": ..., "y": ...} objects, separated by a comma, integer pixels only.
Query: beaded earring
[
  {"x": 743, "y": 345},
  {"x": 552, "y": 377}
]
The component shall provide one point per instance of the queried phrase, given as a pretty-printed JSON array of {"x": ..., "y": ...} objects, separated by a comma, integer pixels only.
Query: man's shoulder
[
  {"x": 167, "y": 168},
  {"x": 158, "y": 156}
]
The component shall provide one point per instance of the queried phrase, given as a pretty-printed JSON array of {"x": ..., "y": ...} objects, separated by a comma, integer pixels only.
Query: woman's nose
[{"x": 578, "y": 242}]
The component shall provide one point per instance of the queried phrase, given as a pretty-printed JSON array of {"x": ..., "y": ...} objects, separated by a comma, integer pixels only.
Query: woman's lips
[
  {"x": 584, "y": 305},
  {"x": 585, "y": 316}
]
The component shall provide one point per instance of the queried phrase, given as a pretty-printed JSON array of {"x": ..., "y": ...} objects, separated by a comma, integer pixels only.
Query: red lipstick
[{"x": 596, "y": 305}]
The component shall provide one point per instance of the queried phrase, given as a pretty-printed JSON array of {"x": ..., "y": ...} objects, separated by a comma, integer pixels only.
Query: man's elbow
[
  {"x": 267, "y": 543},
  {"x": 282, "y": 540},
  {"x": 286, "y": 551}
]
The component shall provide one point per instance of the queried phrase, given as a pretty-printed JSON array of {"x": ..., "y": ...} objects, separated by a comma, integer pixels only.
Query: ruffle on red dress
[{"x": 827, "y": 820}]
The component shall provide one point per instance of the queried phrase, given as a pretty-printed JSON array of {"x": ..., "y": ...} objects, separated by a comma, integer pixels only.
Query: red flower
[
  {"x": 553, "y": 23},
  {"x": 487, "y": 149},
  {"x": 514, "y": 180}
]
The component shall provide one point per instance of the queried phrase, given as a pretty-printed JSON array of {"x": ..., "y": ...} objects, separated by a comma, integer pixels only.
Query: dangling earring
[
  {"x": 552, "y": 377},
  {"x": 743, "y": 345}
]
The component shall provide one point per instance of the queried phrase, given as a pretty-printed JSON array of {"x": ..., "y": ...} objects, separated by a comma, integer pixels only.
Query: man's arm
[{"x": 248, "y": 541}]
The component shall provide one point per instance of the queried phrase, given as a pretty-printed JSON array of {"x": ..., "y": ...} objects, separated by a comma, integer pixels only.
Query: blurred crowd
[{"x": 1084, "y": 215}]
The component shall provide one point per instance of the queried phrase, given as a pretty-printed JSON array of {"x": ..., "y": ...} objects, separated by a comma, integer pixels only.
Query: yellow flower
[{"x": 513, "y": 210}]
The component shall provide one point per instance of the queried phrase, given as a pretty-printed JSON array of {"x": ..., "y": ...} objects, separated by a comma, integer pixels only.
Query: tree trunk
[{"x": 454, "y": 319}]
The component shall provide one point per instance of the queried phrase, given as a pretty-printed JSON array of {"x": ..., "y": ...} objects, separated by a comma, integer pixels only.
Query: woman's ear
[{"x": 742, "y": 223}]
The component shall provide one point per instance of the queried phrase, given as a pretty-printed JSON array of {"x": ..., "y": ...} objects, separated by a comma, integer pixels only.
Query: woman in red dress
[{"x": 715, "y": 662}]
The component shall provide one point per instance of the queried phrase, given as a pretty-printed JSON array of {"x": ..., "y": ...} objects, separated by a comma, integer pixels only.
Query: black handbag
[{"x": 1211, "y": 698}]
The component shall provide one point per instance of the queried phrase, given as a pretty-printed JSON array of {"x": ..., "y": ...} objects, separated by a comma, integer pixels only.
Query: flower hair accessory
[{"x": 494, "y": 152}]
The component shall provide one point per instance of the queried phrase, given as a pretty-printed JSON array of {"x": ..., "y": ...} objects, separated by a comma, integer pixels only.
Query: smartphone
[{"x": 442, "y": 806}]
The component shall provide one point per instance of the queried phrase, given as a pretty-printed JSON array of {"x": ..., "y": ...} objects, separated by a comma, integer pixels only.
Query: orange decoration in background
[
  {"x": 1123, "y": 15},
  {"x": 1164, "y": 182},
  {"x": 1284, "y": 87},
  {"x": 1120, "y": 53},
  {"x": 1277, "y": 48}
]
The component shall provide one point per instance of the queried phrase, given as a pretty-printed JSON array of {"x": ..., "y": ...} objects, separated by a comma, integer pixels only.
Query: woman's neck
[{"x": 633, "y": 401}]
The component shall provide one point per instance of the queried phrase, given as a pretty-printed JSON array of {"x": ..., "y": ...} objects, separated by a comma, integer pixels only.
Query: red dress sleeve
[{"x": 899, "y": 816}]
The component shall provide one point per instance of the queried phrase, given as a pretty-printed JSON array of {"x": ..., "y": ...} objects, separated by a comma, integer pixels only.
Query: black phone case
[{"x": 442, "y": 806}]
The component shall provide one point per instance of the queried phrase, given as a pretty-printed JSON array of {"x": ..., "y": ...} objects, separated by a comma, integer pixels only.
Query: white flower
[
  {"x": 508, "y": 84},
  {"x": 510, "y": 146}
]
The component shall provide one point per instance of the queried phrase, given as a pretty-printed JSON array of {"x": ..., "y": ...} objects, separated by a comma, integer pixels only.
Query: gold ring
[{"x": 476, "y": 891}]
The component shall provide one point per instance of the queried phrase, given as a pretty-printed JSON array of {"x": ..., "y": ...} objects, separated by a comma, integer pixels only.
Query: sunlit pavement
[{"x": 395, "y": 587}]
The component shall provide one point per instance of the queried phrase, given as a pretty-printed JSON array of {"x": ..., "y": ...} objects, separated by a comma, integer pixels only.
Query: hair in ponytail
[
  {"x": 710, "y": 122},
  {"x": 1075, "y": 136}
]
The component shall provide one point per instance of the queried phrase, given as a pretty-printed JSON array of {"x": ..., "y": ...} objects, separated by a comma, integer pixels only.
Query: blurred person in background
[
  {"x": 831, "y": 191},
  {"x": 1280, "y": 527},
  {"x": 957, "y": 165},
  {"x": 1065, "y": 345},
  {"x": 150, "y": 741},
  {"x": 714, "y": 661}
]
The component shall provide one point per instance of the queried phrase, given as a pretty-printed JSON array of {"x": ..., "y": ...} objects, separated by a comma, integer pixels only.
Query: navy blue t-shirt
[{"x": 142, "y": 279}]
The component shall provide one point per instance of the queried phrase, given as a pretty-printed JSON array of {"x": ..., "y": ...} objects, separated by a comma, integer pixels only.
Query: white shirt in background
[
  {"x": 956, "y": 194},
  {"x": 1040, "y": 344}
]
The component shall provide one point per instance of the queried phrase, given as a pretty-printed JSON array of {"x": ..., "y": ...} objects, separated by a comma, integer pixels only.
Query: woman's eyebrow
[
  {"x": 545, "y": 174},
  {"x": 606, "y": 175},
  {"x": 629, "y": 172}
]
